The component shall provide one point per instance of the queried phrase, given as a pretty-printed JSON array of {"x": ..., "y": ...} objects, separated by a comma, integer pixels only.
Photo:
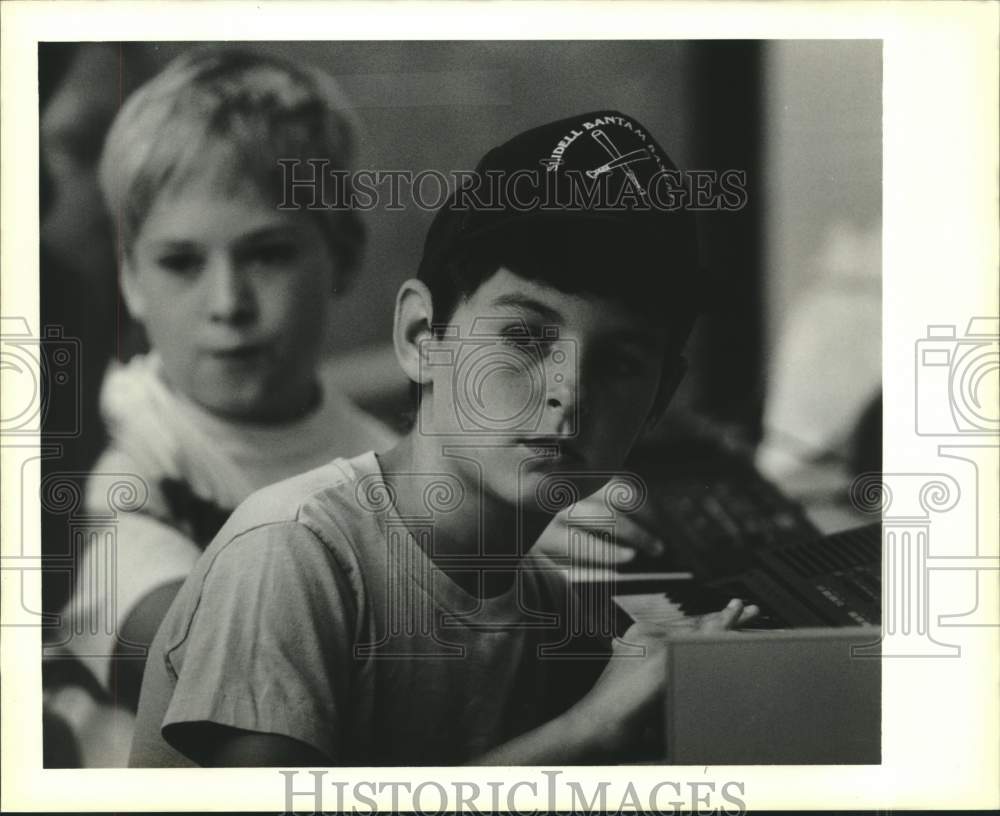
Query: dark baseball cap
[{"x": 597, "y": 181}]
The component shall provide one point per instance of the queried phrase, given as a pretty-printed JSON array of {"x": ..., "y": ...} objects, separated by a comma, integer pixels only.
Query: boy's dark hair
[{"x": 581, "y": 205}]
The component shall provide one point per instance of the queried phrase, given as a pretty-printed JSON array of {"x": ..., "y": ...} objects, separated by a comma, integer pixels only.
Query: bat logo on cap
[{"x": 618, "y": 159}]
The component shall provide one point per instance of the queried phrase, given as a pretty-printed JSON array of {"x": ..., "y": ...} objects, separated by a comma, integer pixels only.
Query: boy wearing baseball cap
[{"x": 388, "y": 610}]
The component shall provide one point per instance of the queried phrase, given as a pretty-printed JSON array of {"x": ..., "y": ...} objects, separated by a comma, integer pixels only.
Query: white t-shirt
[
  {"x": 170, "y": 476},
  {"x": 315, "y": 615}
]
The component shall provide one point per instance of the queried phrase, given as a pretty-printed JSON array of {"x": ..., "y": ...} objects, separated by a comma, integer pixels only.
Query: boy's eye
[
  {"x": 621, "y": 365},
  {"x": 522, "y": 339},
  {"x": 180, "y": 263},
  {"x": 274, "y": 254}
]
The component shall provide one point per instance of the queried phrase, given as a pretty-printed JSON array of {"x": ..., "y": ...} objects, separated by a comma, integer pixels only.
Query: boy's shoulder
[
  {"x": 328, "y": 496},
  {"x": 301, "y": 534}
]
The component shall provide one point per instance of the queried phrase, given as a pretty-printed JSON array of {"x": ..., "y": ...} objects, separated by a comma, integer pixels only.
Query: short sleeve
[{"x": 267, "y": 646}]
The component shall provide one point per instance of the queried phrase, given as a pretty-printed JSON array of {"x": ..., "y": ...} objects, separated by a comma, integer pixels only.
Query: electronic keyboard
[{"x": 828, "y": 581}]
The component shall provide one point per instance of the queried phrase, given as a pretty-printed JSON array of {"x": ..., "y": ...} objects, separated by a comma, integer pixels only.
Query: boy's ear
[
  {"x": 412, "y": 329},
  {"x": 131, "y": 291},
  {"x": 672, "y": 377}
]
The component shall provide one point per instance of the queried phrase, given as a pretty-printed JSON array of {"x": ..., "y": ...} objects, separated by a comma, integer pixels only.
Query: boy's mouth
[
  {"x": 554, "y": 447},
  {"x": 237, "y": 352}
]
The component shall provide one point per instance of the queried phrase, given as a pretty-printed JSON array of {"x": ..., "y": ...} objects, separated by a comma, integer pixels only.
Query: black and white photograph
[{"x": 410, "y": 404}]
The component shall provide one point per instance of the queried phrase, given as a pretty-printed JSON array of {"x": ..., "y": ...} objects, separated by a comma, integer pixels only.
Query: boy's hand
[
  {"x": 635, "y": 533},
  {"x": 732, "y": 616},
  {"x": 622, "y": 707}
]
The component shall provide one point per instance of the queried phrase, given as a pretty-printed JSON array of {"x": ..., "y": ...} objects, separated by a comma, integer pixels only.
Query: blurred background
[{"x": 788, "y": 362}]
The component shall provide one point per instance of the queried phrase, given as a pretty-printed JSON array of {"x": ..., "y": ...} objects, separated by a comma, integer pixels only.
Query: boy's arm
[
  {"x": 564, "y": 740},
  {"x": 224, "y": 747},
  {"x": 609, "y": 723},
  {"x": 258, "y": 644},
  {"x": 138, "y": 630},
  {"x": 605, "y": 725},
  {"x": 607, "y": 720}
]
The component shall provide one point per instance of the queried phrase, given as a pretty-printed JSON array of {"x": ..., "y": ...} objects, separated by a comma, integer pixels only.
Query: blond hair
[{"x": 251, "y": 110}]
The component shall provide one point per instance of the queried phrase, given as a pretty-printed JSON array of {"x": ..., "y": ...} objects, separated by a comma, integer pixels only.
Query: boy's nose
[
  {"x": 228, "y": 295},
  {"x": 564, "y": 397}
]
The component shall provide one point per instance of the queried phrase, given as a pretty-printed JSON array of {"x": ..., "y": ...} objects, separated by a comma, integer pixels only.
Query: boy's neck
[
  {"x": 481, "y": 530},
  {"x": 285, "y": 411}
]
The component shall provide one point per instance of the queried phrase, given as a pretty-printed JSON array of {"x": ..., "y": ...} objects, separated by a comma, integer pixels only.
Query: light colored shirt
[
  {"x": 315, "y": 615},
  {"x": 193, "y": 468}
]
